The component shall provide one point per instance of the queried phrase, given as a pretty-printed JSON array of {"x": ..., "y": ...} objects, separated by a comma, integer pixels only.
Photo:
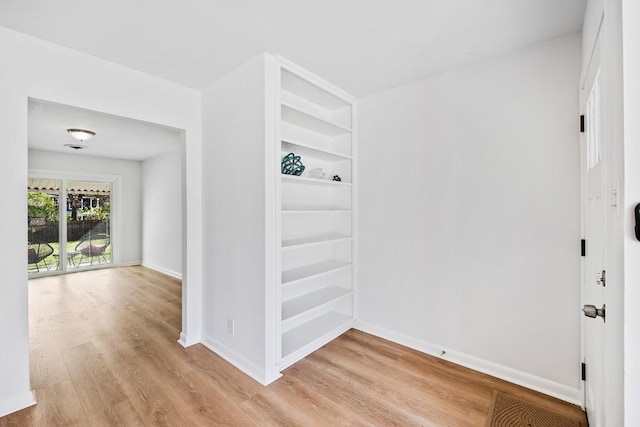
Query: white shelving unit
[{"x": 315, "y": 225}]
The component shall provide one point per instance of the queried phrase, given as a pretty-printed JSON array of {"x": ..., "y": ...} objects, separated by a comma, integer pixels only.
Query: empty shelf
[
  {"x": 314, "y": 330},
  {"x": 312, "y": 300},
  {"x": 313, "y": 92},
  {"x": 316, "y": 240},
  {"x": 316, "y": 124},
  {"x": 296, "y": 274},
  {"x": 314, "y": 211}
]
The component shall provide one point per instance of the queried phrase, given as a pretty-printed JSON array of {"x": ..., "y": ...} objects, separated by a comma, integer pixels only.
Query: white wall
[
  {"x": 34, "y": 68},
  {"x": 162, "y": 213},
  {"x": 233, "y": 156},
  {"x": 469, "y": 216},
  {"x": 129, "y": 231}
]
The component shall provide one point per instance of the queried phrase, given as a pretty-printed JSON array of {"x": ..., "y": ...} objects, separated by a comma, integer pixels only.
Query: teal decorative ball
[{"x": 291, "y": 165}]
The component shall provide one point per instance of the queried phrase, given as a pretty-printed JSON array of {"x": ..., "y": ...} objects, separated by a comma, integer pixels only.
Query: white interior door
[{"x": 594, "y": 220}]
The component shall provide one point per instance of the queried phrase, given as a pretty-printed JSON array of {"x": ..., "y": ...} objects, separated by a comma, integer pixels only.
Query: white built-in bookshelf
[{"x": 315, "y": 225}]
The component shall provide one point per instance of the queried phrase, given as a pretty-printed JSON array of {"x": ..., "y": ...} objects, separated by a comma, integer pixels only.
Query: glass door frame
[{"x": 114, "y": 217}]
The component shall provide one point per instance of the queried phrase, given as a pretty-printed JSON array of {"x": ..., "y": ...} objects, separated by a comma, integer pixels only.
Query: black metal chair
[
  {"x": 37, "y": 253},
  {"x": 93, "y": 246}
]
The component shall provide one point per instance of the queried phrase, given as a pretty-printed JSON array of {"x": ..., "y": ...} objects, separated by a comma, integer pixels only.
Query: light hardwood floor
[{"x": 104, "y": 352}]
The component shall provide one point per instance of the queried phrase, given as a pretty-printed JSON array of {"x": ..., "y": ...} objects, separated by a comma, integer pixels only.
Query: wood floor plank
[
  {"x": 404, "y": 393},
  {"x": 409, "y": 388},
  {"x": 340, "y": 390},
  {"x": 144, "y": 391},
  {"x": 53, "y": 304},
  {"x": 127, "y": 415},
  {"x": 225, "y": 376},
  {"x": 208, "y": 404},
  {"x": 98, "y": 390},
  {"x": 21, "y": 418},
  {"x": 280, "y": 403},
  {"x": 58, "y": 405},
  {"x": 104, "y": 353},
  {"x": 47, "y": 367}
]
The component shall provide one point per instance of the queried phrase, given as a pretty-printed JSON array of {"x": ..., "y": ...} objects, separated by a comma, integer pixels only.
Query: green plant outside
[
  {"x": 41, "y": 205},
  {"x": 97, "y": 213}
]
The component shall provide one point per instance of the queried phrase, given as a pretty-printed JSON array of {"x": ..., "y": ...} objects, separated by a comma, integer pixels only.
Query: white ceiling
[
  {"x": 363, "y": 46},
  {"x": 116, "y": 137}
]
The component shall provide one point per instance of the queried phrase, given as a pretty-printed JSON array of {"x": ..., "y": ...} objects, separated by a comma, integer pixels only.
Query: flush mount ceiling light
[
  {"x": 81, "y": 134},
  {"x": 75, "y": 146}
]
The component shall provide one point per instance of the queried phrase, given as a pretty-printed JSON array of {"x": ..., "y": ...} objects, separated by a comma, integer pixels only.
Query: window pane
[
  {"x": 43, "y": 246},
  {"x": 88, "y": 223}
]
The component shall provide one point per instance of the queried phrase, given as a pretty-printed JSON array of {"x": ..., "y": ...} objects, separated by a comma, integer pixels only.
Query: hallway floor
[{"x": 104, "y": 352}]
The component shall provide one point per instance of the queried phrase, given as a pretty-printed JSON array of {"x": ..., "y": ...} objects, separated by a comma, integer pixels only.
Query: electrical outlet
[{"x": 231, "y": 326}]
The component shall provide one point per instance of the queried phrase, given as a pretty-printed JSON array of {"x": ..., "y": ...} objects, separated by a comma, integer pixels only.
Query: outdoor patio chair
[
  {"x": 93, "y": 246},
  {"x": 37, "y": 253}
]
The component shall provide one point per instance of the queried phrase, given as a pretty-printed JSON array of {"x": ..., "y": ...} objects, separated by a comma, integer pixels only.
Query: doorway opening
[{"x": 119, "y": 202}]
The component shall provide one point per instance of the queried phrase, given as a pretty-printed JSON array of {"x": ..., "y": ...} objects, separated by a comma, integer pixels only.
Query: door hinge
[
  {"x": 583, "y": 247},
  {"x": 583, "y": 369},
  {"x": 581, "y": 123}
]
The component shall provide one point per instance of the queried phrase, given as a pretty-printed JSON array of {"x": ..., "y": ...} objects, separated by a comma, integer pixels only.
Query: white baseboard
[
  {"x": 163, "y": 270},
  {"x": 17, "y": 403},
  {"x": 129, "y": 264},
  {"x": 188, "y": 341},
  {"x": 246, "y": 366},
  {"x": 515, "y": 376}
]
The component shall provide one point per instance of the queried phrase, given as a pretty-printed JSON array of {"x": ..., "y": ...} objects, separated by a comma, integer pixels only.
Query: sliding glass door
[
  {"x": 69, "y": 224},
  {"x": 88, "y": 223},
  {"x": 43, "y": 224}
]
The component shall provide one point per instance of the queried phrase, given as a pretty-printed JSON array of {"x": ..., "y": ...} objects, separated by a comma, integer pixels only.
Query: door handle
[
  {"x": 593, "y": 312},
  {"x": 636, "y": 210}
]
